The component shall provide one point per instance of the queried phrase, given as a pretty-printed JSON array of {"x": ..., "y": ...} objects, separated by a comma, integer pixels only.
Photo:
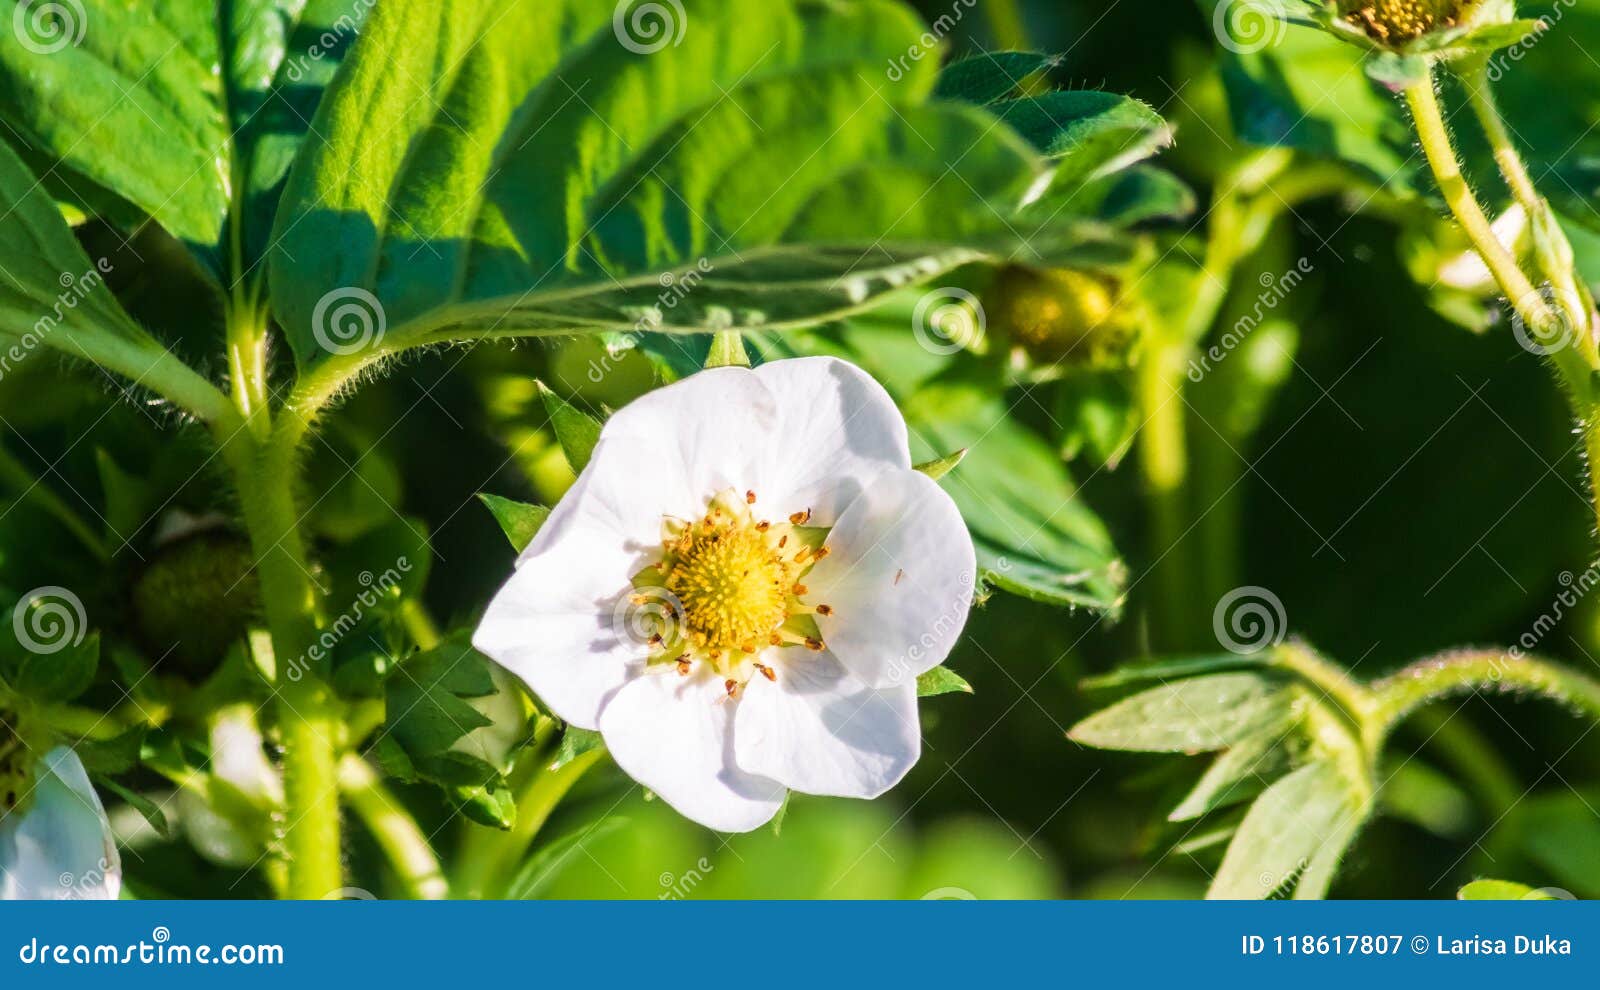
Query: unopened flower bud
[{"x": 1065, "y": 316}]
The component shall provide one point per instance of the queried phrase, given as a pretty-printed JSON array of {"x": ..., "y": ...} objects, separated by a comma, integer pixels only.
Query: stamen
[
  {"x": 824, "y": 609},
  {"x": 819, "y": 553},
  {"x": 683, "y": 665},
  {"x": 813, "y": 644},
  {"x": 799, "y": 591},
  {"x": 801, "y": 518},
  {"x": 767, "y": 672},
  {"x": 749, "y": 498},
  {"x": 732, "y": 687}
]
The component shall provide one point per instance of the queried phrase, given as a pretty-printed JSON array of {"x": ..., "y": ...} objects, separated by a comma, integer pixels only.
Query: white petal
[
  {"x": 899, "y": 577},
  {"x": 837, "y": 430},
  {"x": 674, "y": 735},
  {"x": 711, "y": 431},
  {"x": 819, "y": 730},
  {"x": 621, "y": 495},
  {"x": 561, "y": 623},
  {"x": 61, "y": 848}
]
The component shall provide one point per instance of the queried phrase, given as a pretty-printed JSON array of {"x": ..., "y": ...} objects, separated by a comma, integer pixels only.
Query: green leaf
[
  {"x": 542, "y": 868},
  {"x": 119, "y": 754},
  {"x": 151, "y": 811},
  {"x": 457, "y": 720},
  {"x": 171, "y": 104},
  {"x": 1239, "y": 773},
  {"x": 1301, "y": 824},
  {"x": 1501, "y": 890},
  {"x": 771, "y": 178},
  {"x": 576, "y": 430},
  {"x": 51, "y": 292},
  {"x": 518, "y": 520},
  {"x": 1096, "y": 133},
  {"x": 574, "y": 743},
  {"x": 1192, "y": 716},
  {"x": 941, "y": 680},
  {"x": 1175, "y": 669},
  {"x": 1033, "y": 534},
  {"x": 990, "y": 76},
  {"x": 1099, "y": 415}
]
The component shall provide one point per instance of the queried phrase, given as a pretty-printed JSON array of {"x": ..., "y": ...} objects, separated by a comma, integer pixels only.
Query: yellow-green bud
[{"x": 1063, "y": 315}]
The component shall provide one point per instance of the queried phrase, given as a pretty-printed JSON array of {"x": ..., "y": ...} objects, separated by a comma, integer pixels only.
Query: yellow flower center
[
  {"x": 728, "y": 588},
  {"x": 733, "y": 583},
  {"x": 1401, "y": 20}
]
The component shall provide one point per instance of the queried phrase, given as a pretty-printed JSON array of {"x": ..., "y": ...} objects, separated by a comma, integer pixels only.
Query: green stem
[
  {"x": 1441, "y": 155},
  {"x": 1468, "y": 671},
  {"x": 395, "y": 831},
  {"x": 493, "y": 854},
  {"x": 1481, "y": 96},
  {"x": 307, "y": 712},
  {"x": 1163, "y": 462},
  {"x": 247, "y": 367},
  {"x": 1573, "y": 356},
  {"x": 151, "y": 366}
]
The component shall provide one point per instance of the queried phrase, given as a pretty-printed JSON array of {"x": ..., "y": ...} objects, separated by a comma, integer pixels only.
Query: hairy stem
[
  {"x": 307, "y": 713},
  {"x": 1481, "y": 96},
  {"x": 1441, "y": 155},
  {"x": 1468, "y": 671},
  {"x": 395, "y": 831}
]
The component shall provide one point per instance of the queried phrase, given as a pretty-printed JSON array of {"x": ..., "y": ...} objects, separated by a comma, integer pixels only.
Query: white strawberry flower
[
  {"x": 55, "y": 841},
  {"x": 740, "y": 590}
]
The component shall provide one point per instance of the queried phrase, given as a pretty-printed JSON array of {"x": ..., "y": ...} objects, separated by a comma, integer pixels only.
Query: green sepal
[
  {"x": 574, "y": 743},
  {"x": 941, "y": 680},
  {"x": 520, "y": 521},
  {"x": 940, "y": 466},
  {"x": 576, "y": 430},
  {"x": 149, "y": 809}
]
